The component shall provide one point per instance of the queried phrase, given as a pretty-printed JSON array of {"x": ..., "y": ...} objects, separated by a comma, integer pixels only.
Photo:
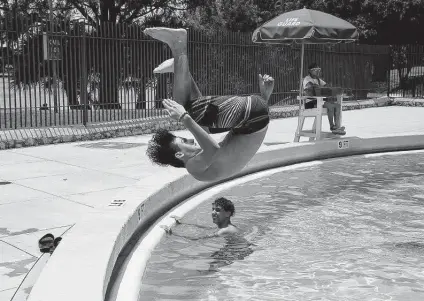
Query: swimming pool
[{"x": 347, "y": 229}]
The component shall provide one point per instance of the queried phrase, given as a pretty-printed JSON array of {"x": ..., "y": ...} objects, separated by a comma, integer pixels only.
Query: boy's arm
[
  {"x": 209, "y": 146},
  {"x": 309, "y": 88},
  {"x": 206, "y": 142},
  {"x": 169, "y": 231},
  {"x": 322, "y": 83},
  {"x": 196, "y": 238},
  {"x": 179, "y": 222}
]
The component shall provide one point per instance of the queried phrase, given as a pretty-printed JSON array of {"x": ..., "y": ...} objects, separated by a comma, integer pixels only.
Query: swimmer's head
[
  {"x": 222, "y": 209},
  {"x": 167, "y": 149}
]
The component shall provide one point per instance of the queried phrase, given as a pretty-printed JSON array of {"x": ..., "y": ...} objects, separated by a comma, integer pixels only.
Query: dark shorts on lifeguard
[{"x": 240, "y": 114}]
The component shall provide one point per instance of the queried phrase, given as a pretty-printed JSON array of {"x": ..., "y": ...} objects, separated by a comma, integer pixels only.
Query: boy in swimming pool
[
  {"x": 236, "y": 247},
  {"x": 246, "y": 119},
  {"x": 222, "y": 211}
]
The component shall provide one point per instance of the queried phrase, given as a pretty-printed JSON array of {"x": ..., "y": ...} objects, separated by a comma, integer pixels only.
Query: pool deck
[{"x": 52, "y": 187}]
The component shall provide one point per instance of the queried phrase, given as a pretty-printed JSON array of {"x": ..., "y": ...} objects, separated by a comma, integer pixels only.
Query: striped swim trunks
[{"x": 241, "y": 114}]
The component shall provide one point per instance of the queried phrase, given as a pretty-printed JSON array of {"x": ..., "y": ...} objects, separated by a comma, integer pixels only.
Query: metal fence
[
  {"x": 406, "y": 75},
  {"x": 69, "y": 73}
]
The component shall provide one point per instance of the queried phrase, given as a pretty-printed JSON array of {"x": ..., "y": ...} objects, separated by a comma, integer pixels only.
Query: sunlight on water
[{"x": 349, "y": 229}]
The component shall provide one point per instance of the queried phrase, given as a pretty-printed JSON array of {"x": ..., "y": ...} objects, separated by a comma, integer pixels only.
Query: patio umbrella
[{"x": 305, "y": 26}]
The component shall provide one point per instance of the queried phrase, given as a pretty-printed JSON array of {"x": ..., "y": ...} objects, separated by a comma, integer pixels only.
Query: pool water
[{"x": 347, "y": 229}]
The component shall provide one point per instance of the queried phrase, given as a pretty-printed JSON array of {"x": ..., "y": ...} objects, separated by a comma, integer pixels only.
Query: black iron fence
[
  {"x": 406, "y": 74},
  {"x": 70, "y": 73}
]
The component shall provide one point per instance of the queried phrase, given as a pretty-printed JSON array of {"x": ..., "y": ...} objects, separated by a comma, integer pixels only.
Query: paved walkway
[{"x": 52, "y": 186}]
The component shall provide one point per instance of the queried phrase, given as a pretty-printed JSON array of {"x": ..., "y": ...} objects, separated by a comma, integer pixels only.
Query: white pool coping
[{"x": 81, "y": 268}]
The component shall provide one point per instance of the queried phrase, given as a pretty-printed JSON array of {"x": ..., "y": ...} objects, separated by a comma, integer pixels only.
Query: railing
[
  {"x": 406, "y": 75},
  {"x": 72, "y": 73}
]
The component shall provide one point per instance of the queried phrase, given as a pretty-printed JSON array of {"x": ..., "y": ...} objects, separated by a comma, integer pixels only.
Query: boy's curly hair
[
  {"x": 226, "y": 204},
  {"x": 161, "y": 151}
]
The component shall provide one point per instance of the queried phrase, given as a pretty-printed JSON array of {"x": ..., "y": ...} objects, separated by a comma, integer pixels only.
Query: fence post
[
  {"x": 388, "y": 71},
  {"x": 53, "y": 60},
  {"x": 83, "y": 84}
]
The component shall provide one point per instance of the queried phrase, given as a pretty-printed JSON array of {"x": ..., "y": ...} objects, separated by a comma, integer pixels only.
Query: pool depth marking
[{"x": 343, "y": 144}]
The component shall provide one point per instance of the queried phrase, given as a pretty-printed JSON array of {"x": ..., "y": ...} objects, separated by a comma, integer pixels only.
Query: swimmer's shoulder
[{"x": 231, "y": 229}]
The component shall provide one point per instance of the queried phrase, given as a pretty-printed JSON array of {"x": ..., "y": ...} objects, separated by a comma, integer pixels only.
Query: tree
[
  {"x": 381, "y": 22},
  {"x": 130, "y": 11},
  {"x": 230, "y": 15},
  {"x": 18, "y": 16},
  {"x": 97, "y": 13},
  {"x": 110, "y": 31},
  {"x": 83, "y": 52},
  {"x": 377, "y": 20},
  {"x": 20, "y": 22}
]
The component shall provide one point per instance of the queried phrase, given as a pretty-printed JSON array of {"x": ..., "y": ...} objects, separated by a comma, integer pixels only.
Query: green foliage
[
  {"x": 111, "y": 57},
  {"x": 379, "y": 21},
  {"x": 132, "y": 11},
  {"x": 230, "y": 15},
  {"x": 23, "y": 21}
]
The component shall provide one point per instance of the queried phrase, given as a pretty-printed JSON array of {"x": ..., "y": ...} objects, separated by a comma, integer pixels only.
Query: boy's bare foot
[
  {"x": 166, "y": 67},
  {"x": 175, "y": 38}
]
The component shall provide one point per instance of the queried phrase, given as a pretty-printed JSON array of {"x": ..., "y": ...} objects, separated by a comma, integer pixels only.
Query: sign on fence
[{"x": 51, "y": 47}]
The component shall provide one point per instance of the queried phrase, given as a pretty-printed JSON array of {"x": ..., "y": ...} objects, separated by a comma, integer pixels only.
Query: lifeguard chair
[{"x": 316, "y": 132}]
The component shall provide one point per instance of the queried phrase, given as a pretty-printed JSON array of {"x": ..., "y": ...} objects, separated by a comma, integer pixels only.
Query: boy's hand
[
  {"x": 177, "y": 219},
  {"x": 266, "y": 82},
  {"x": 174, "y": 109},
  {"x": 167, "y": 229}
]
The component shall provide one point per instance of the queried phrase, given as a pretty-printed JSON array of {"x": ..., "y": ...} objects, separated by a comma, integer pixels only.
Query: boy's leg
[
  {"x": 333, "y": 112},
  {"x": 330, "y": 113},
  {"x": 337, "y": 120},
  {"x": 182, "y": 80},
  {"x": 177, "y": 41},
  {"x": 337, "y": 115},
  {"x": 168, "y": 67},
  {"x": 195, "y": 92}
]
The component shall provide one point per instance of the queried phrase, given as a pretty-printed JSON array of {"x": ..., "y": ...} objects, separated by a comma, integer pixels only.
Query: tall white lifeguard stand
[{"x": 316, "y": 132}]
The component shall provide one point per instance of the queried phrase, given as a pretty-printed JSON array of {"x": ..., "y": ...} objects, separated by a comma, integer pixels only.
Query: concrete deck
[{"x": 52, "y": 187}]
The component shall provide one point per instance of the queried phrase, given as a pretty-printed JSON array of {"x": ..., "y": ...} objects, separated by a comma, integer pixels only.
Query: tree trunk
[
  {"x": 141, "y": 97},
  {"x": 109, "y": 74},
  {"x": 71, "y": 90}
]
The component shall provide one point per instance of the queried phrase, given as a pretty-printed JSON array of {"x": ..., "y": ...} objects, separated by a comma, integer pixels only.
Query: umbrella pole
[{"x": 301, "y": 69}]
